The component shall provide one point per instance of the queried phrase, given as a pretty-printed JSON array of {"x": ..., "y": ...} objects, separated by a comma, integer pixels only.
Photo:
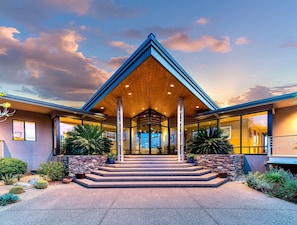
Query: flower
[{"x": 6, "y": 104}]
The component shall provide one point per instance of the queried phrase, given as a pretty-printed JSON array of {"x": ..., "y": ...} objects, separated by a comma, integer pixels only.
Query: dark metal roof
[
  {"x": 32, "y": 105},
  {"x": 274, "y": 102}
]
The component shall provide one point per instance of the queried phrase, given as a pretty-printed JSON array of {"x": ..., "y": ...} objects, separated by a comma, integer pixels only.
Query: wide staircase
[{"x": 151, "y": 171}]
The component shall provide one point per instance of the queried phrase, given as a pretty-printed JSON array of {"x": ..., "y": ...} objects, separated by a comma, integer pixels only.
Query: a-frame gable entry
[{"x": 150, "y": 78}]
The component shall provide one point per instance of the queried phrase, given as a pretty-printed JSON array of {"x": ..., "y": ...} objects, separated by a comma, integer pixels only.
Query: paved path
[{"x": 71, "y": 204}]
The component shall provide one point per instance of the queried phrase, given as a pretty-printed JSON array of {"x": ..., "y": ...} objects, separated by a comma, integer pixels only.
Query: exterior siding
[
  {"x": 285, "y": 121},
  {"x": 31, "y": 152}
]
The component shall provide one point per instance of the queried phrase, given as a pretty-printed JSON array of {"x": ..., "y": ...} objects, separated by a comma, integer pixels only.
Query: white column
[
  {"x": 120, "y": 143},
  {"x": 180, "y": 129}
]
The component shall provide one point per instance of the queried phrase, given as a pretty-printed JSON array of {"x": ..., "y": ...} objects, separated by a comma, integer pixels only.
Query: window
[{"x": 24, "y": 130}]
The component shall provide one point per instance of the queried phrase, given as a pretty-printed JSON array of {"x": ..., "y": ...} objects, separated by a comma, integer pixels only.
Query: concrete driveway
[{"x": 232, "y": 203}]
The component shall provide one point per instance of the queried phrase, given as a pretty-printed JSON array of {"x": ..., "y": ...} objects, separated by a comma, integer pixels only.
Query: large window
[
  {"x": 254, "y": 133},
  {"x": 24, "y": 130},
  {"x": 231, "y": 128}
]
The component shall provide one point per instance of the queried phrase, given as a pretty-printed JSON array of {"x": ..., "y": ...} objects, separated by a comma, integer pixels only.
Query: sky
[{"x": 63, "y": 51}]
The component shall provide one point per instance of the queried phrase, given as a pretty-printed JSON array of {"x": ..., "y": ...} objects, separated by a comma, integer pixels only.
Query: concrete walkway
[{"x": 232, "y": 203}]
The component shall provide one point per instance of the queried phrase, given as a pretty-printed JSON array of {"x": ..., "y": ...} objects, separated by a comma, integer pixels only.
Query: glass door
[{"x": 149, "y": 132}]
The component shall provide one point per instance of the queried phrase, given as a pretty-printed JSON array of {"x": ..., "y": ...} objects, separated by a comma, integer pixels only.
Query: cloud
[
  {"x": 109, "y": 9},
  {"x": 122, "y": 45},
  {"x": 261, "y": 92},
  {"x": 115, "y": 63},
  {"x": 49, "y": 65},
  {"x": 242, "y": 41},
  {"x": 182, "y": 42},
  {"x": 202, "y": 21},
  {"x": 80, "y": 7},
  {"x": 289, "y": 44}
]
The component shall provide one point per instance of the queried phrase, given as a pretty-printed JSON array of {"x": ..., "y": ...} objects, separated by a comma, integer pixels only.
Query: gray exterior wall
[{"x": 31, "y": 152}]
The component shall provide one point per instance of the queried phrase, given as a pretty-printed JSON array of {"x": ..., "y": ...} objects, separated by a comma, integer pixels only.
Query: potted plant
[
  {"x": 67, "y": 179},
  {"x": 190, "y": 157},
  {"x": 222, "y": 173},
  {"x": 110, "y": 158},
  {"x": 80, "y": 174}
]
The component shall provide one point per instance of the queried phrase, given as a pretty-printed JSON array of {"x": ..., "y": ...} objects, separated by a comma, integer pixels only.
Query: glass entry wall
[{"x": 149, "y": 133}]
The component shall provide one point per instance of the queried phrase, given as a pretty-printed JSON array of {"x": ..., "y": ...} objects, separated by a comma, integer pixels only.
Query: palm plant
[
  {"x": 86, "y": 140},
  {"x": 209, "y": 141}
]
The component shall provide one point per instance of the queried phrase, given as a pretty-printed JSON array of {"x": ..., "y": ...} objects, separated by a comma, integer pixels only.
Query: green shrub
[
  {"x": 279, "y": 176},
  {"x": 12, "y": 166},
  {"x": 41, "y": 184},
  {"x": 87, "y": 140},
  {"x": 17, "y": 190},
  {"x": 209, "y": 141},
  {"x": 52, "y": 170},
  {"x": 8, "y": 179},
  {"x": 8, "y": 198},
  {"x": 277, "y": 183}
]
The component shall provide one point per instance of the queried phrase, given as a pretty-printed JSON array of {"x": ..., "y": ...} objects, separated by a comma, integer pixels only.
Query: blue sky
[{"x": 63, "y": 51}]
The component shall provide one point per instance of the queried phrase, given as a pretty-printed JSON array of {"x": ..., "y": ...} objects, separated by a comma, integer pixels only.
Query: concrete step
[
  {"x": 150, "y": 156},
  {"x": 146, "y": 165},
  {"x": 150, "y": 169},
  {"x": 150, "y": 162},
  {"x": 145, "y": 184},
  {"x": 150, "y": 159},
  {"x": 152, "y": 173},
  {"x": 205, "y": 177}
]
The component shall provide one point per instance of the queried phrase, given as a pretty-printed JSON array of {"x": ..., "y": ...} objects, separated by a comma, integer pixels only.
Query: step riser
[
  {"x": 141, "y": 179},
  {"x": 151, "y": 169},
  {"x": 149, "y": 165},
  {"x": 114, "y": 174},
  {"x": 153, "y": 184}
]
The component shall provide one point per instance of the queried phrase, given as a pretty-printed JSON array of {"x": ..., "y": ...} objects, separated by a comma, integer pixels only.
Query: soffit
[{"x": 149, "y": 85}]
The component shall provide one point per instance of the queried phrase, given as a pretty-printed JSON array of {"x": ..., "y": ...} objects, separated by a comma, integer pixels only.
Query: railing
[
  {"x": 282, "y": 146},
  {"x": 251, "y": 150}
]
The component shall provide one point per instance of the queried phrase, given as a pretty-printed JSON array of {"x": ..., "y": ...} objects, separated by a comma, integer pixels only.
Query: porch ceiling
[{"x": 150, "y": 86}]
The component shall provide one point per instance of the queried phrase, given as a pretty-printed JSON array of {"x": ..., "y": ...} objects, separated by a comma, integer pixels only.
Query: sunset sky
[{"x": 63, "y": 51}]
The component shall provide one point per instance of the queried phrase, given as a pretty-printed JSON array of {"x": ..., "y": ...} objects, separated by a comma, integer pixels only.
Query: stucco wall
[
  {"x": 285, "y": 121},
  {"x": 32, "y": 152}
]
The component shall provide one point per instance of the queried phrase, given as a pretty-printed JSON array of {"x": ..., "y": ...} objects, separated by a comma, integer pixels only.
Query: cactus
[
  {"x": 41, "y": 184},
  {"x": 17, "y": 190},
  {"x": 8, "y": 198}
]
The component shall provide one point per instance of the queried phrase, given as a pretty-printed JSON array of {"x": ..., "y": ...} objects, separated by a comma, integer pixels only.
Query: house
[{"x": 151, "y": 105}]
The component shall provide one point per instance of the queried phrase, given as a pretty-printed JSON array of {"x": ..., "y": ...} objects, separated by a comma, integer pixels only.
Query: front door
[{"x": 149, "y": 132}]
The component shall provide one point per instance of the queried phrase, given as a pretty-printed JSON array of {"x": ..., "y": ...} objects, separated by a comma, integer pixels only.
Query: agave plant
[
  {"x": 209, "y": 141},
  {"x": 86, "y": 140}
]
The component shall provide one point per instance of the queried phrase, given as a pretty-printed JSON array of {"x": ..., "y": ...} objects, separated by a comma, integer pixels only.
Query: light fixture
[
  {"x": 130, "y": 93},
  {"x": 102, "y": 107},
  {"x": 169, "y": 92},
  {"x": 197, "y": 106},
  {"x": 127, "y": 85},
  {"x": 172, "y": 85}
]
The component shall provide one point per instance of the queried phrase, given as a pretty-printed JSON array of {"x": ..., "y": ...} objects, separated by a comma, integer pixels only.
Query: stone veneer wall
[
  {"x": 232, "y": 164},
  {"x": 87, "y": 163}
]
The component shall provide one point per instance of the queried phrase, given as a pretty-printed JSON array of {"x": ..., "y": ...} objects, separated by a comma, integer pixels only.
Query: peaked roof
[{"x": 152, "y": 79}]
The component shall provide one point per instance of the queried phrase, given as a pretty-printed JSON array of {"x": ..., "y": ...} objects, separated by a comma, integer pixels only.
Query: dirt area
[{"x": 31, "y": 192}]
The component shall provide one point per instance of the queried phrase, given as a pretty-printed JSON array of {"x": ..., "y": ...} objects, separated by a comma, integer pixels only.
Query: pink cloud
[
  {"x": 242, "y": 41},
  {"x": 202, "y": 21},
  {"x": 78, "y": 6},
  {"x": 261, "y": 92},
  {"x": 122, "y": 45},
  {"x": 115, "y": 63},
  {"x": 183, "y": 43},
  {"x": 7, "y": 38},
  {"x": 289, "y": 44},
  {"x": 50, "y": 65}
]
